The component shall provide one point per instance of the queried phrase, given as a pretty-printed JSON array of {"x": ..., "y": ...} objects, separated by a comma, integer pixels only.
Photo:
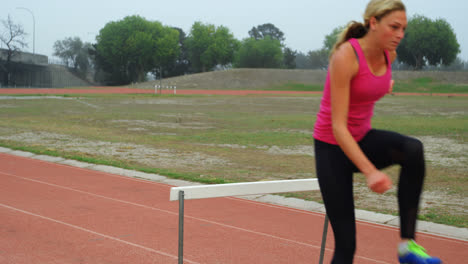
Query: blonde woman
[{"x": 360, "y": 74}]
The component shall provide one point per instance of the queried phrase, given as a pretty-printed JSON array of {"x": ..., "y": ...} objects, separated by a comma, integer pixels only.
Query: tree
[
  {"x": 208, "y": 46},
  {"x": 261, "y": 53},
  {"x": 13, "y": 38},
  {"x": 289, "y": 58},
  {"x": 130, "y": 48},
  {"x": 74, "y": 53},
  {"x": 181, "y": 64},
  {"x": 302, "y": 62},
  {"x": 318, "y": 59},
  {"x": 330, "y": 39},
  {"x": 457, "y": 65},
  {"x": 428, "y": 42},
  {"x": 268, "y": 29}
]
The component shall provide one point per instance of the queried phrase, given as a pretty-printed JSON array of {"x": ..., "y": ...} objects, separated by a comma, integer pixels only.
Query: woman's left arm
[{"x": 393, "y": 56}]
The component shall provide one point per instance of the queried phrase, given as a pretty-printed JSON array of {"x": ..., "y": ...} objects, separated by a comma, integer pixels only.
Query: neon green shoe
[{"x": 415, "y": 254}]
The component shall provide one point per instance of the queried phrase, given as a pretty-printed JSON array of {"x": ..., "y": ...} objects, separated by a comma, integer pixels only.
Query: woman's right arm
[{"x": 343, "y": 67}]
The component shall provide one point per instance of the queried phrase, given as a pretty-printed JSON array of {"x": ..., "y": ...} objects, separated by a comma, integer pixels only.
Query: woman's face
[{"x": 390, "y": 29}]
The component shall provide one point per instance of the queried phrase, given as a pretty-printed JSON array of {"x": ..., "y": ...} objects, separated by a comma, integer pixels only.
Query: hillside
[
  {"x": 262, "y": 78},
  {"x": 240, "y": 79}
]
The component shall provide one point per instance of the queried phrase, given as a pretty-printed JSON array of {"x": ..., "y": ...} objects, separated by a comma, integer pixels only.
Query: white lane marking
[{"x": 93, "y": 232}]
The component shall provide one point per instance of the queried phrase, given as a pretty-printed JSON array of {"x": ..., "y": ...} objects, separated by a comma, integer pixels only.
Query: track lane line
[
  {"x": 359, "y": 222},
  {"x": 95, "y": 233}
]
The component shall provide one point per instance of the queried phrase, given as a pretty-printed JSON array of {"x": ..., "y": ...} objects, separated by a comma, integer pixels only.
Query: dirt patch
[
  {"x": 297, "y": 150},
  {"x": 445, "y": 152},
  {"x": 160, "y": 101},
  {"x": 441, "y": 152},
  {"x": 455, "y": 204},
  {"x": 33, "y": 97},
  {"x": 156, "y": 157},
  {"x": 273, "y": 150},
  {"x": 135, "y": 125}
]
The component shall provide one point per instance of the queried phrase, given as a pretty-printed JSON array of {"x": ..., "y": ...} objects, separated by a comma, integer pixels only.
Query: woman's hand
[
  {"x": 390, "y": 91},
  {"x": 379, "y": 182}
]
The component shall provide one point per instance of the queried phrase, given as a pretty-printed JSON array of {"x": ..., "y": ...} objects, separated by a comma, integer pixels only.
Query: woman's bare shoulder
[
  {"x": 345, "y": 58},
  {"x": 344, "y": 49}
]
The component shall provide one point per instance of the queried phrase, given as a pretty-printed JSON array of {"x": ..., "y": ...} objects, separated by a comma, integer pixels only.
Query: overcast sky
[{"x": 304, "y": 22}]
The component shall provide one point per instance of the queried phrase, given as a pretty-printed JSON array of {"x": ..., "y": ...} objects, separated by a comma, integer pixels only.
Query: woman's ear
[{"x": 372, "y": 23}]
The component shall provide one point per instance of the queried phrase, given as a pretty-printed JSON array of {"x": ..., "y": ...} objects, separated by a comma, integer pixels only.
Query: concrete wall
[
  {"x": 33, "y": 70},
  {"x": 445, "y": 77},
  {"x": 41, "y": 76},
  {"x": 25, "y": 57},
  {"x": 61, "y": 76}
]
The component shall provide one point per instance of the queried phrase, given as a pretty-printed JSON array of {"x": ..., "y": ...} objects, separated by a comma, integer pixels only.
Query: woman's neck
[{"x": 370, "y": 46}]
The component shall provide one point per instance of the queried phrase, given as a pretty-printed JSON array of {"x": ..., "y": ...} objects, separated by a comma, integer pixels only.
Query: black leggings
[{"x": 335, "y": 175}]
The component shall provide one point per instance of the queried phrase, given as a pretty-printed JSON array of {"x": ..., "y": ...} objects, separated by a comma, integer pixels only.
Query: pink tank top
[{"x": 365, "y": 90}]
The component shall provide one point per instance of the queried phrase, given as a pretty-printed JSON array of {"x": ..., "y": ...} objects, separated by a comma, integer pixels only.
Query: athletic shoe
[{"x": 415, "y": 254}]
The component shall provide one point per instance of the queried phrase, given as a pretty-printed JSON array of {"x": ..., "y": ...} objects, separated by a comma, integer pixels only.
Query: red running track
[{"x": 52, "y": 213}]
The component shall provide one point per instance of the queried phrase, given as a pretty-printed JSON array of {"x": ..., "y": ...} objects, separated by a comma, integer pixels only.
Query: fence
[{"x": 239, "y": 189}]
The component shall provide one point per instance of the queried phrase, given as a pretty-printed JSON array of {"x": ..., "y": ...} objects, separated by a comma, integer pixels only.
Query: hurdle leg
[
  {"x": 181, "y": 227},
  {"x": 324, "y": 239}
]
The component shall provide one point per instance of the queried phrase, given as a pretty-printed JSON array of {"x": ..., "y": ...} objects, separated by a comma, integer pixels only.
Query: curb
[{"x": 361, "y": 215}]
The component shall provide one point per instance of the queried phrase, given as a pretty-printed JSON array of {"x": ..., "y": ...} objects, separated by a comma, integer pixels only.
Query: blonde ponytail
[
  {"x": 375, "y": 8},
  {"x": 353, "y": 30}
]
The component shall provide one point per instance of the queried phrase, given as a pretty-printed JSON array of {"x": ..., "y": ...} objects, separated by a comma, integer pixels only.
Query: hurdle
[
  {"x": 167, "y": 87},
  {"x": 240, "y": 189}
]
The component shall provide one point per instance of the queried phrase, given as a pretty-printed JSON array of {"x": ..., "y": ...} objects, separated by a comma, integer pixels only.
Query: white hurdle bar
[
  {"x": 161, "y": 87},
  {"x": 240, "y": 189}
]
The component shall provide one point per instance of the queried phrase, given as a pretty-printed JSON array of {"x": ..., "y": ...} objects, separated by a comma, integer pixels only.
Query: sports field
[{"x": 228, "y": 138}]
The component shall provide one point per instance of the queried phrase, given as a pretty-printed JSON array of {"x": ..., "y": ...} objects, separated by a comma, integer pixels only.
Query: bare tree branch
[{"x": 13, "y": 37}]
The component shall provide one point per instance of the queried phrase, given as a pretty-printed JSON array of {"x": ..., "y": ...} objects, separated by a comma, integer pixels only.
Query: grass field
[{"x": 218, "y": 139}]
